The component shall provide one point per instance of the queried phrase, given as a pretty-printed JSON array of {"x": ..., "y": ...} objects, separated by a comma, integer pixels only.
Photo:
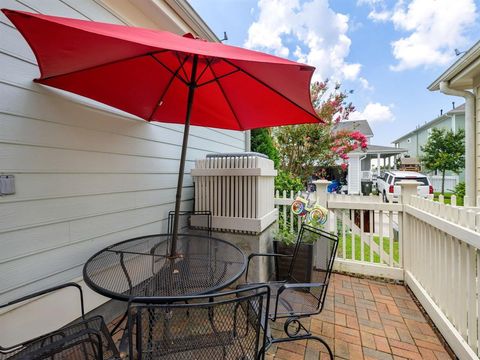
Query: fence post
[
  {"x": 321, "y": 192},
  {"x": 409, "y": 189},
  {"x": 322, "y": 247}
]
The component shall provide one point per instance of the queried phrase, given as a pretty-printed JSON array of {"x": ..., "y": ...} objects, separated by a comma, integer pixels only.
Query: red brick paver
[{"x": 366, "y": 319}]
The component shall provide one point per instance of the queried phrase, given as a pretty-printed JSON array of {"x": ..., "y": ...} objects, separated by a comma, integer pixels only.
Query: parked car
[{"x": 390, "y": 191}]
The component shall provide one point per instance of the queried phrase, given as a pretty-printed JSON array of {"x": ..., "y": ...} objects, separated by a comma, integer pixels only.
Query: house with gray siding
[{"x": 415, "y": 139}]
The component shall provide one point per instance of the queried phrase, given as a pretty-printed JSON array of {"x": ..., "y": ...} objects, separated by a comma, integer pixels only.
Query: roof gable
[{"x": 354, "y": 125}]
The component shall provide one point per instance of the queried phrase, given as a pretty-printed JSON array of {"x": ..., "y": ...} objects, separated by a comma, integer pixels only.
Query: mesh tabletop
[{"x": 140, "y": 267}]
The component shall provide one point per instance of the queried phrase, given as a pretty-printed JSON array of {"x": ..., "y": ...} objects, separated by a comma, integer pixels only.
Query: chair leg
[
  {"x": 301, "y": 337},
  {"x": 324, "y": 343}
]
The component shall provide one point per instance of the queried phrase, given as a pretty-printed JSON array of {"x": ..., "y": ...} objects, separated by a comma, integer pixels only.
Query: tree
[
  {"x": 261, "y": 142},
  {"x": 305, "y": 147},
  {"x": 444, "y": 151}
]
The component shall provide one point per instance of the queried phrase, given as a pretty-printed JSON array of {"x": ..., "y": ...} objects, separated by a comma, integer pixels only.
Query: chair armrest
[
  {"x": 252, "y": 255},
  {"x": 299, "y": 286}
]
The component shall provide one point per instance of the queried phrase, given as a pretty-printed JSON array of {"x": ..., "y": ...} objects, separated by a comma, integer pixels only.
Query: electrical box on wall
[{"x": 7, "y": 185}]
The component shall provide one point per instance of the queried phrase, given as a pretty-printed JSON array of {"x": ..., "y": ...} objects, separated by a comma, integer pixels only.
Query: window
[{"x": 422, "y": 180}]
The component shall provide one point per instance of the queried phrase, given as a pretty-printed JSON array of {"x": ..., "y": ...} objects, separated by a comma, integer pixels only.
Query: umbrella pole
[{"x": 178, "y": 198}]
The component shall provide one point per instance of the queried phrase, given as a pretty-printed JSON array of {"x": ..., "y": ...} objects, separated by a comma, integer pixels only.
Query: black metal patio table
[{"x": 141, "y": 267}]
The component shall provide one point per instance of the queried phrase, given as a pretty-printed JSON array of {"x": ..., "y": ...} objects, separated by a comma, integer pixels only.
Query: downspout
[{"x": 470, "y": 176}]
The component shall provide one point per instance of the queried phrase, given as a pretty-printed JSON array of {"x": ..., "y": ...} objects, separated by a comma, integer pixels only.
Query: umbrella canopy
[{"x": 160, "y": 76}]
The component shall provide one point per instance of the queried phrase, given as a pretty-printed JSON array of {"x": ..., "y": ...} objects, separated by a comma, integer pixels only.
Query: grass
[
  {"x": 358, "y": 254},
  {"x": 447, "y": 198}
]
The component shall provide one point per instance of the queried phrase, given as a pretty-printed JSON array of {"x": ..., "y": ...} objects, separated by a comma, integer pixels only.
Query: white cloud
[
  {"x": 369, "y": 2},
  {"x": 310, "y": 32},
  {"x": 379, "y": 15},
  {"x": 365, "y": 84},
  {"x": 435, "y": 28},
  {"x": 374, "y": 112}
]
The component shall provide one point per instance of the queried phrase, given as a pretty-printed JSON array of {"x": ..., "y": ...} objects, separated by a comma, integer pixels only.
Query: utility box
[{"x": 238, "y": 189}]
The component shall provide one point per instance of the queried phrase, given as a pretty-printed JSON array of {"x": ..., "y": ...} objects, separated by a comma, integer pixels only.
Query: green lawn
[
  {"x": 447, "y": 198},
  {"x": 376, "y": 239}
]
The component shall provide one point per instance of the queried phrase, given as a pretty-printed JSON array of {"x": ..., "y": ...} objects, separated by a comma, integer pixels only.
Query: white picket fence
[
  {"x": 442, "y": 267},
  {"x": 433, "y": 247},
  {"x": 450, "y": 182},
  {"x": 369, "y": 232},
  {"x": 286, "y": 219}
]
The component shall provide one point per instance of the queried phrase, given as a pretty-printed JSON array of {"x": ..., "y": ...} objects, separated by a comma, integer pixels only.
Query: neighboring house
[
  {"x": 360, "y": 161},
  {"x": 463, "y": 79},
  {"x": 355, "y": 125},
  {"x": 86, "y": 175},
  {"x": 414, "y": 140}
]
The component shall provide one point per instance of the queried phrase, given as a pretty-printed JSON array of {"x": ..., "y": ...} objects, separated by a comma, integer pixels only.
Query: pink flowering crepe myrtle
[{"x": 347, "y": 141}]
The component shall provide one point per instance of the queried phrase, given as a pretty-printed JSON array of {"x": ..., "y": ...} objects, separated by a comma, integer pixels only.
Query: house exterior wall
[
  {"x": 414, "y": 142},
  {"x": 86, "y": 175},
  {"x": 409, "y": 143}
]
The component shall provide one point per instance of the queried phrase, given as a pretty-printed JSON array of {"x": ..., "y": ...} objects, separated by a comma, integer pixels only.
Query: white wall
[{"x": 86, "y": 176}]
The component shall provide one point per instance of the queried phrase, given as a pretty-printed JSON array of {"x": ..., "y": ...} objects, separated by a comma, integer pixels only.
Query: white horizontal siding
[{"x": 86, "y": 175}]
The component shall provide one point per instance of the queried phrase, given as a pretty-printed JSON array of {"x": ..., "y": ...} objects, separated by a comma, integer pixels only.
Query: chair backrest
[
  {"x": 24, "y": 328},
  {"x": 83, "y": 344},
  {"x": 85, "y": 339},
  {"x": 326, "y": 244},
  {"x": 226, "y": 325},
  {"x": 194, "y": 222}
]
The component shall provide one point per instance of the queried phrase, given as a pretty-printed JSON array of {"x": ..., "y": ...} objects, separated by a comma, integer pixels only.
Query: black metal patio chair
[
  {"x": 225, "y": 326},
  {"x": 86, "y": 339},
  {"x": 293, "y": 300}
]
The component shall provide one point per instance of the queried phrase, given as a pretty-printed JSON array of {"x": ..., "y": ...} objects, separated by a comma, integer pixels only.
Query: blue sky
[{"x": 387, "y": 51}]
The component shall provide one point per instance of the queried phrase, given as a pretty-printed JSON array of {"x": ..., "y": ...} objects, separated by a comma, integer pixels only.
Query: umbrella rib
[
  {"x": 174, "y": 75},
  {"x": 100, "y": 65},
  {"x": 203, "y": 72},
  {"x": 226, "y": 98},
  {"x": 171, "y": 71},
  {"x": 180, "y": 62},
  {"x": 271, "y": 88},
  {"x": 218, "y": 78}
]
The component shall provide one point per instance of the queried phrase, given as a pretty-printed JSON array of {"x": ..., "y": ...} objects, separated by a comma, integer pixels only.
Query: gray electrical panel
[{"x": 7, "y": 184}]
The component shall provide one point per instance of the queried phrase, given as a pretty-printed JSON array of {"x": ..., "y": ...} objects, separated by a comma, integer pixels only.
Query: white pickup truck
[{"x": 389, "y": 190}]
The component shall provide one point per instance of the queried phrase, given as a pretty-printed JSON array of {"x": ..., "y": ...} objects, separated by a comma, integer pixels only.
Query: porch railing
[{"x": 431, "y": 246}]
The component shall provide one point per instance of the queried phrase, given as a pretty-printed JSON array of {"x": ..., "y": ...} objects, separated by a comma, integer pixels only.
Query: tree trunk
[{"x": 443, "y": 182}]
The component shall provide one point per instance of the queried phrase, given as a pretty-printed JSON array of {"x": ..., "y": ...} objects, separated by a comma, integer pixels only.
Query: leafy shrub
[
  {"x": 460, "y": 189},
  {"x": 261, "y": 142},
  {"x": 287, "y": 181},
  {"x": 285, "y": 236}
]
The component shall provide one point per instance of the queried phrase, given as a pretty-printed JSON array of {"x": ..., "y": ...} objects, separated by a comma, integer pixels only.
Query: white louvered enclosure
[{"x": 238, "y": 189}]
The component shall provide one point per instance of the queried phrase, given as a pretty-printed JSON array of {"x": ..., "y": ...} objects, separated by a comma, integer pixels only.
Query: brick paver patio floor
[
  {"x": 366, "y": 319},
  {"x": 363, "y": 319}
]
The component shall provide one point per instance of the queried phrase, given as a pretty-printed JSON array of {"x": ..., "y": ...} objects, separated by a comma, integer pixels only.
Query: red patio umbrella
[{"x": 160, "y": 76}]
